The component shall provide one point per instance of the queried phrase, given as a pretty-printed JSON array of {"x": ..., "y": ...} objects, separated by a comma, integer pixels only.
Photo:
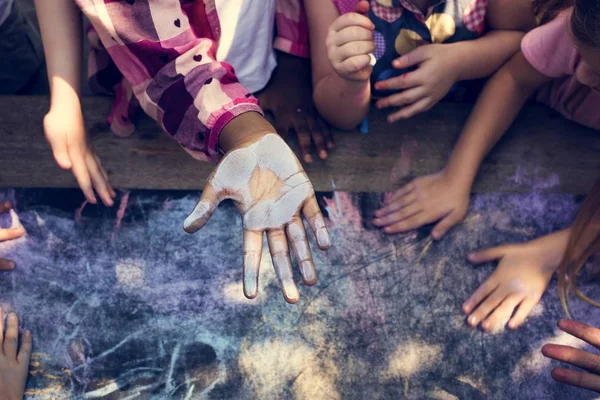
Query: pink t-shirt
[{"x": 550, "y": 50}]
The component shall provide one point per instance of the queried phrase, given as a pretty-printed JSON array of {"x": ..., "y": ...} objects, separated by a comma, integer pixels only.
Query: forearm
[
  {"x": 61, "y": 28},
  {"x": 482, "y": 57},
  {"x": 496, "y": 109},
  {"x": 344, "y": 104}
]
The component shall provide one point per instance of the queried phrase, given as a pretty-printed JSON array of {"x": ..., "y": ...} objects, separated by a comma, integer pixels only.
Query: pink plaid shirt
[{"x": 160, "y": 56}]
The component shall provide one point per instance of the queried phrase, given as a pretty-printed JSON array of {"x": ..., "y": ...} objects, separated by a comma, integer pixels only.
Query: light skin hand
[
  {"x": 65, "y": 131},
  {"x": 267, "y": 184},
  {"x": 14, "y": 361},
  {"x": 61, "y": 28},
  {"x": 589, "y": 378},
  {"x": 426, "y": 86},
  {"x": 349, "y": 42},
  {"x": 437, "y": 197},
  {"x": 518, "y": 282},
  {"x": 14, "y": 232}
]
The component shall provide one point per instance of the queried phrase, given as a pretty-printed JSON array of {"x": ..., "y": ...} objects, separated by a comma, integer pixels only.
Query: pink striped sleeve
[
  {"x": 292, "y": 28},
  {"x": 170, "y": 64}
]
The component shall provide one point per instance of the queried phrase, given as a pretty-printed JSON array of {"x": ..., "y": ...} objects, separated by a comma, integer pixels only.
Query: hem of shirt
[
  {"x": 291, "y": 47},
  {"x": 224, "y": 119}
]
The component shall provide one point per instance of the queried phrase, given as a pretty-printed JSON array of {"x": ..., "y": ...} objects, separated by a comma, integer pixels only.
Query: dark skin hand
[
  {"x": 589, "y": 378},
  {"x": 288, "y": 96},
  {"x": 9, "y": 234}
]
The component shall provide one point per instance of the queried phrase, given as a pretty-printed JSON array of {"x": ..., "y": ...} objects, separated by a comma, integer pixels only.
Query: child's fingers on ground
[
  {"x": 486, "y": 307},
  {"x": 576, "y": 357},
  {"x": 113, "y": 194},
  {"x": 446, "y": 224},
  {"x": 413, "y": 222},
  {"x": 404, "y": 190},
  {"x": 280, "y": 254},
  {"x": 304, "y": 142},
  {"x": 411, "y": 110},
  {"x": 354, "y": 64},
  {"x": 11, "y": 233},
  {"x": 400, "y": 215},
  {"x": 25, "y": 350},
  {"x": 99, "y": 182},
  {"x": 5, "y": 206},
  {"x": 396, "y": 205},
  {"x": 82, "y": 174},
  {"x": 584, "y": 332},
  {"x": 204, "y": 209},
  {"x": 502, "y": 313},
  {"x": 317, "y": 138},
  {"x": 488, "y": 255},
  {"x": 6, "y": 265},
  {"x": 480, "y": 293},
  {"x": 324, "y": 128},
  {"x": 11, "y": 338},
  {"x": 297, "y": 237},
  {"x": 252, "y": 243},
  {"x": 580, "y": 379},
  {"x": 352, "y": 34},
  {"x": 523, "y": 311},
  {"x": 312, "y": 213},
  {"x": 352, "y": 19},
  {"x": 403, "y": 98}
]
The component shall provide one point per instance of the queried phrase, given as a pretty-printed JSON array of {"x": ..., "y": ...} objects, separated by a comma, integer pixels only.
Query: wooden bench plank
[{"x": 541, "y": 152}]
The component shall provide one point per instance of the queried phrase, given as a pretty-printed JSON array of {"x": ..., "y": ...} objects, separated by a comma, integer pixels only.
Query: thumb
[
  {"x": 203, "y": 211},
  {"x": 488, "y": 255},
  {"x": 445, "y": 224},
  {"x": 362, "y": 7},
  {"x": 415, "y": 57}
]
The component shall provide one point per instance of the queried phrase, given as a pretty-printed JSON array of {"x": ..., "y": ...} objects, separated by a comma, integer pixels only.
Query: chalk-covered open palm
[{"x": 270, "y": 189}]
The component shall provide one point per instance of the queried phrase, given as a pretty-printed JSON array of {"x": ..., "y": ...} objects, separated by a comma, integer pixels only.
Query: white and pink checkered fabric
[
  {"x": 389, "y": 14},
  {"x": 474, "y": 17}
]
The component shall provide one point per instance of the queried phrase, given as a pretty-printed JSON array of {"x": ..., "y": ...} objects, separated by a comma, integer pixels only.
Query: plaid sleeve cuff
[{"x": 222, "y": 118}]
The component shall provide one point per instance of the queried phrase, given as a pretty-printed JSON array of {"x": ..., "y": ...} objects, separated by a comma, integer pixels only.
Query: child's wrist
[{"x": 243, "y": 129}]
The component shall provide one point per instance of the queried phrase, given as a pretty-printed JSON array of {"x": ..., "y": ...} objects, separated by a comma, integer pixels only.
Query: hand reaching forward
[
  {"x": 270, "y": 189},
  {"x": 589, "y": 378}
]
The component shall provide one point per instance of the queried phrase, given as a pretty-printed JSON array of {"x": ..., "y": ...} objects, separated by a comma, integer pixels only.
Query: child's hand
[
  {"x": 14, "y": 359},
  {"x": 423, "y": 201},
  {"x": 14, "y": 232},
  {"x": 289, "y": 97},
  {"x": 519, "y": 281},
  {"x": 578, "y": 358},
  {"x": 271, "y": 191},
  {"x": 424, "y": 87},
  {"x": 349, "y": 43},
  {"x": 65, "y": 131}
]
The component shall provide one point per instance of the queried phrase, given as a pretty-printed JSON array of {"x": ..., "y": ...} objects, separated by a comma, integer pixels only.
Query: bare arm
[
  {"x": 496, "y": 109},
  {"x": 61, "y": 28},
  {"x": 343, "y": 103},
  {"x": 482, "y": 57}
]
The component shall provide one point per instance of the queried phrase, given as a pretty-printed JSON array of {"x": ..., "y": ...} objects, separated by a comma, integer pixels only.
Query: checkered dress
[
  {"x": 391, "y": 17},
  {"x": 160, "y": 56}
]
